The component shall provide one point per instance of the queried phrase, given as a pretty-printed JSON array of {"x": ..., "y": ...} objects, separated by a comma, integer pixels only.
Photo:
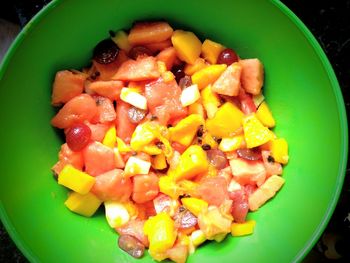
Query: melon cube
[{"x": 75, "y": 179}]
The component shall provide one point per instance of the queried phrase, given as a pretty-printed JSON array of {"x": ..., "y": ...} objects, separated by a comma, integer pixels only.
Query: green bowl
[{"x": 300, "y": 86}]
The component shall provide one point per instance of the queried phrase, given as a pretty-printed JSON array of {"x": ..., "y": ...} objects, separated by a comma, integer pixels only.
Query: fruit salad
[{"x": 169, "y": 134}]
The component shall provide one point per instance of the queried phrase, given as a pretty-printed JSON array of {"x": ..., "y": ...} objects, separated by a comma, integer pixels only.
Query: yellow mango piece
[
  {"x": 75, "y": 179},
  {"x": 255, "y": 133},
  {"x": 186, "y": 129},
  {"x": 85, "y": 205},
  {"x": 151, "y": 149},
  {"x": 196, "y": 108},
  {"x": 265, "y": 116},
  {"x": 110, "y": 138},
  {"x": 243, "y": 229},
  {"x": 161, "y": 67},
  {"x": 121, "y": 39},
  {"x": 146, "y": 133},
  {"x": 194, "y": 205},
  {"x": 193, "y": 161},
  {"x": 211, "y": 101},
  {"x": 211, "y": 50},
  {"x": 159, "y": 162},
  {"x": 208, "y": 75},
  {"x": 122, "y": 146},
  {"x": 199, "y": 64},
  {"x": 279, "y": 150},
  {"x": 160, "y": 230},
  {"x": 208, "y": 139},
  {"x": 231, "y": 143},
  {"x": 187, "y": 45},
  {"x": 168, "y": 186},
  {"x": 168, "y": 76},
  {"x": 226, "y": 121},
  {"x": 188, "y": 187}
]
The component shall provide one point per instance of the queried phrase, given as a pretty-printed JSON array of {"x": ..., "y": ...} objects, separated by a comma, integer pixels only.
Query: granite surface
[{"x": 329, "y": 21}]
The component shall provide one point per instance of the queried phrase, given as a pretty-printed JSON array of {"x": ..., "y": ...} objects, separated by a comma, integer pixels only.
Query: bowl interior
[{"x": 300, "y": 87}]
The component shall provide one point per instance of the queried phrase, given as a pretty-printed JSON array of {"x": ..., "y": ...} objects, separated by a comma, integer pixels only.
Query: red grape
[
  {"x": 131, "y": 245},
  {"x": 227, "y": 56},
  {"x": 78, "y": 136},
  {"x": 217, "y": 158},
  {"x": 249, "y": 154}
]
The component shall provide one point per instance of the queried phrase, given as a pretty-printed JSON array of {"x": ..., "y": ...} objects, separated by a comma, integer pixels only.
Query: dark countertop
[{"x": 329, "y": 21}]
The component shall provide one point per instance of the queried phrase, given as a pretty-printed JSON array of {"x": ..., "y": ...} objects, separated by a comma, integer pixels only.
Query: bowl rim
[{"x": 30, "y": 255}]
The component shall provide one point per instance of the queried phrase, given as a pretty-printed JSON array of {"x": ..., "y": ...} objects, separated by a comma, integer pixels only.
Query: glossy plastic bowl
[{"x": 300, "y": 87}]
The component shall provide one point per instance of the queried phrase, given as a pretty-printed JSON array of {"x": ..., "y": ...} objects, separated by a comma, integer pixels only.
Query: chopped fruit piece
[
  {"x": 243, "y": 229},
  {"x": 149, "y": 32},
  {"x": 211, "y": 50},
  {"x": 110, "y": 138},
  {"x": 208, "y": 75},
  {"x": 135, "y": 166},
  {"x": 187, "y": 45},
  {"x": 227, "y": 120},
  {"x": 133, "y": 98},
  {"x": 121, "y": 39},
  {"x": 66, "y": 86},
  {"x": 75, "y": 179},
  {"x": 229, "y": 81},
  {"x": 279, "y": 150},
  {"x": 116, "y": 214},
  {"x": 265, "y": 192},
  {"x": 199, "y": 64},
  {"x": 85, "y": 205},
  {"x": 211, "y": 101},
  {"x": 189, "y": 95},
  {"x": 265, "y": 116},
  {"x": 186, "y": 129},
  {"x": 252, "y": 76},
  {"x": 255, "y": 133},
  {"x": 195, "y": 205},
  {"x": 159, "y": 162},
  {"x": 231, "y": 143}
]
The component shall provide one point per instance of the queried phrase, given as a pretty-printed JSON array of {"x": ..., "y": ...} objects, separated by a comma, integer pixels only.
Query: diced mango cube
[
  {"x": 208, "y": 75},
  {"x": 194, "y": 205},
  {"x": 211, "y": 101},
  {"x": 199, "y": 64},
  {"x": 159, "y": 162},
  {"x": 255, "y": 133},
  {"x": 185, "y": 130},
  {"x": 75, "y": 179},
  {"x": 188, "y": 187},
  {"x": 151, "y": 149},
  {"x": 265, "y": 116},
  {"x": 196, "y": 108},
  {"x": 168, "y": 186},
  {"x": 279, "y": 150},
  {"x": 229, "y": 144},
  {"x": 226, "y": 121},
  {"x": 110, "y": 138},
  {"x": 122, "y": 146},
  {"x": 243, "y": 229},
  {"x": 192, "y": 162},
  {"x": 85, "y": 205},
  {"x": 160, "y": 230},
  {"x": 121, "y": 39},
  {"x": 187, "y": 45},
  {"x": 208, "y": 139},
  {"x": 211, "y": 50},
  {"x": 136, "y": 166}
]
